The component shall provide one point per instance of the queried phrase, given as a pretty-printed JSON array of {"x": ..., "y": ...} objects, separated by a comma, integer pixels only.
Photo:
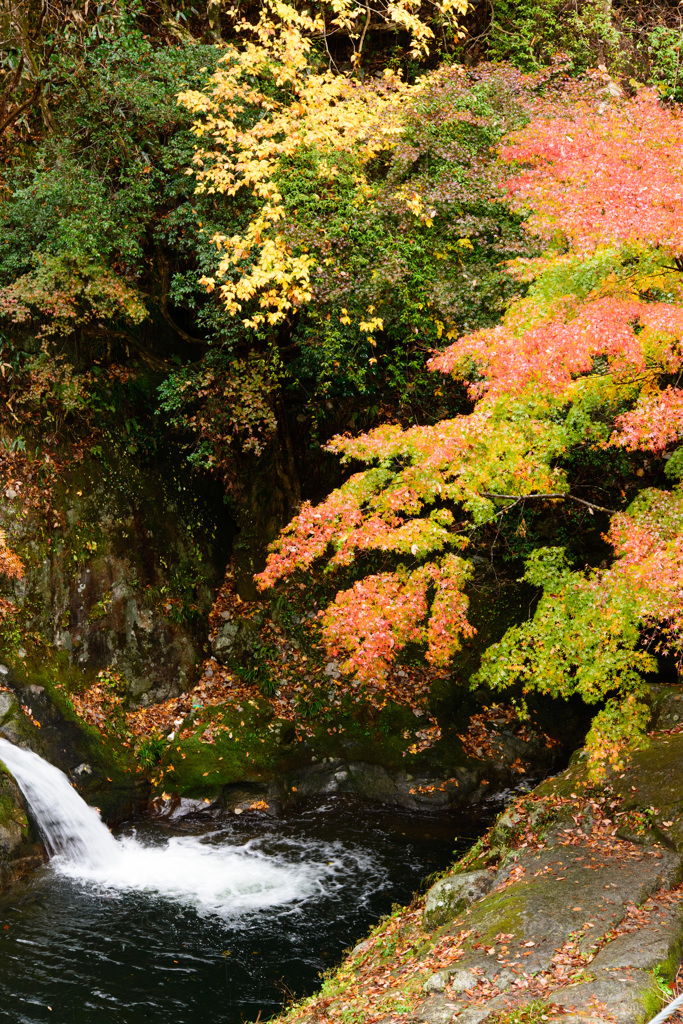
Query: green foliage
[
  {"x": 415, "y": 276},
  {"x": 535, "y": 1012},
  {"x": 225, "y": 405},
  {"x": 531, "y": 32},
  {"x": 11, "y": 633},
  {"x": 664, "y": 989},
  {"x": 674, "y": 465},
  {"x": 86, "y": 202},
  {"x": 580, "y": 641},
  {"x": 575, "y": 643},
  {"x": 664, "y": 53},
  {"x": 150, "y": 750},
  {"x": 620, "y": 725},
  {"x": 423, "y": 274}
]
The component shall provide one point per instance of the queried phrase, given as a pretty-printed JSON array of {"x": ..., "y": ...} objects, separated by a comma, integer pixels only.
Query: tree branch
[
  {"x": 554, "y": 497},
  {"x": 163, "y": 306},
  {"x": 14, "y": 114}
]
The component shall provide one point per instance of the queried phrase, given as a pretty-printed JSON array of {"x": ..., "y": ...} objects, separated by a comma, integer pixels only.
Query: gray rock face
[
  {"x": 576, "y": 894},
  {"x": 235, "y": 640},
  {"x": 667, "y": 707},
  {"x": 646, "y": 948},
  {"x": 624, "y": 996},
  {"x": 17, "y": 844},
  {"x": 448, "y": 897},
  {"x": 437, "y": 982},
  {"x": 124, "y": 592}
]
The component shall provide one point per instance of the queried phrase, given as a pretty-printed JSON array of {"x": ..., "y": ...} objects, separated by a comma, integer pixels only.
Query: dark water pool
[{"x": 303, "y": 888}]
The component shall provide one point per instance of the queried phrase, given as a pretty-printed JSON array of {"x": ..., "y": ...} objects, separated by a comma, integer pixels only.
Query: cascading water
[
  {"x": 222, "y": 879},
  {"x": 72, "y": 830}
]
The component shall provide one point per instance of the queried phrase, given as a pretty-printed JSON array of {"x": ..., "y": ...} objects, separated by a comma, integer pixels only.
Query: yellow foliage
[{"x": 327, "y": 112}]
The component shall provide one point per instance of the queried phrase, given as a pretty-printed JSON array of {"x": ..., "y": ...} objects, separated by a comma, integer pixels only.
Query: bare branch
[{"x": 553, "y": 497}]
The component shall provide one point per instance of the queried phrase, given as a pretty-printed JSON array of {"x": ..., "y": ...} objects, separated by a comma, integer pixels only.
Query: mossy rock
[
  {"x": 16, "y": 837},
  {"x": 449, "y": 896}
]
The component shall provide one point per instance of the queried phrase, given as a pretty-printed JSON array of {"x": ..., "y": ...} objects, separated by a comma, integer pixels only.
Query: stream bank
[{"x": 571, "y": 907}]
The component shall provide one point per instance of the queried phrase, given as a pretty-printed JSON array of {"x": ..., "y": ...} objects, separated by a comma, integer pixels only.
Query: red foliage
[
  {"x": 654, "y": 424},
  {"x": 380, "y": 613},
  {"x": 604, "y": 177},
  {"x": 554, "y": 353},
  {"x": 601, "y": 327},
  {"x": 648, "y": 540},
  {"x": 10, "y": 564}
]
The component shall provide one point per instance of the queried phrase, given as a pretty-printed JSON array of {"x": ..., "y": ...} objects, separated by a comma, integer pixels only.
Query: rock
[
  {"x": 437, "y": 982},
  {"x": 284, "y": 732},
  {"x": 16, "y": 840},
  {"x": 361, "y": 947},
  {"x": 625, "y": 996},
  {"x": 476, "y": 1014},
  {"x": 235, "y": 640},
  {"x": 646, "y": 948},
  {"x": 374, "y": 782},
  {"x": 461, "y": 981},
  {"x": 102, "y": 610},
  {"x": 448, "y": 897},
  {"x": 667, "y": 706},
  {"x": 457, "y": 980},
  {"x": 9, "y": 707},
  {"x": 505, "y": 978},
  {"x": 10, "y": 839},
  {"x": 557, "y": 891}
]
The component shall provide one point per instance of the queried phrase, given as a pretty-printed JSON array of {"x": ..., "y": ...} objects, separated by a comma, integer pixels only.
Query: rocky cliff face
[{"x": 121, "y": 577}]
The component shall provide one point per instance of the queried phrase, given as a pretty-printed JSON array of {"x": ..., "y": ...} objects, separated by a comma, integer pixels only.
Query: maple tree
[
  {"x": 586, "y": 361},
  {"x": 347, "y": 220},
  {"x": 327, "y": 112}
]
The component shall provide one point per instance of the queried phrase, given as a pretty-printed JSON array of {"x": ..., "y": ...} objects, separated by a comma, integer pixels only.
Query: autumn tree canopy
[
  {"x": 245, "y": 229},
  {"x": 582, "y": 370}
]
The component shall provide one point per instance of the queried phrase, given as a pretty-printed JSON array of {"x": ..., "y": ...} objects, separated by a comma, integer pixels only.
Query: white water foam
[{"x": 222, "y": 879}]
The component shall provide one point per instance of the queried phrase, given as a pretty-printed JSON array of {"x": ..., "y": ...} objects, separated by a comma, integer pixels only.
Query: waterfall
[
  {"x": 71, "y": 829},
  {"x": 214, "y": 875}
]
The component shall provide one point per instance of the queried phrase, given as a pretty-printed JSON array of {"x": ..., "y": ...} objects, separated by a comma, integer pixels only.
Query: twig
[
  {"x": 555, "y": 497},
  {"x": 365, "y": 28}
]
